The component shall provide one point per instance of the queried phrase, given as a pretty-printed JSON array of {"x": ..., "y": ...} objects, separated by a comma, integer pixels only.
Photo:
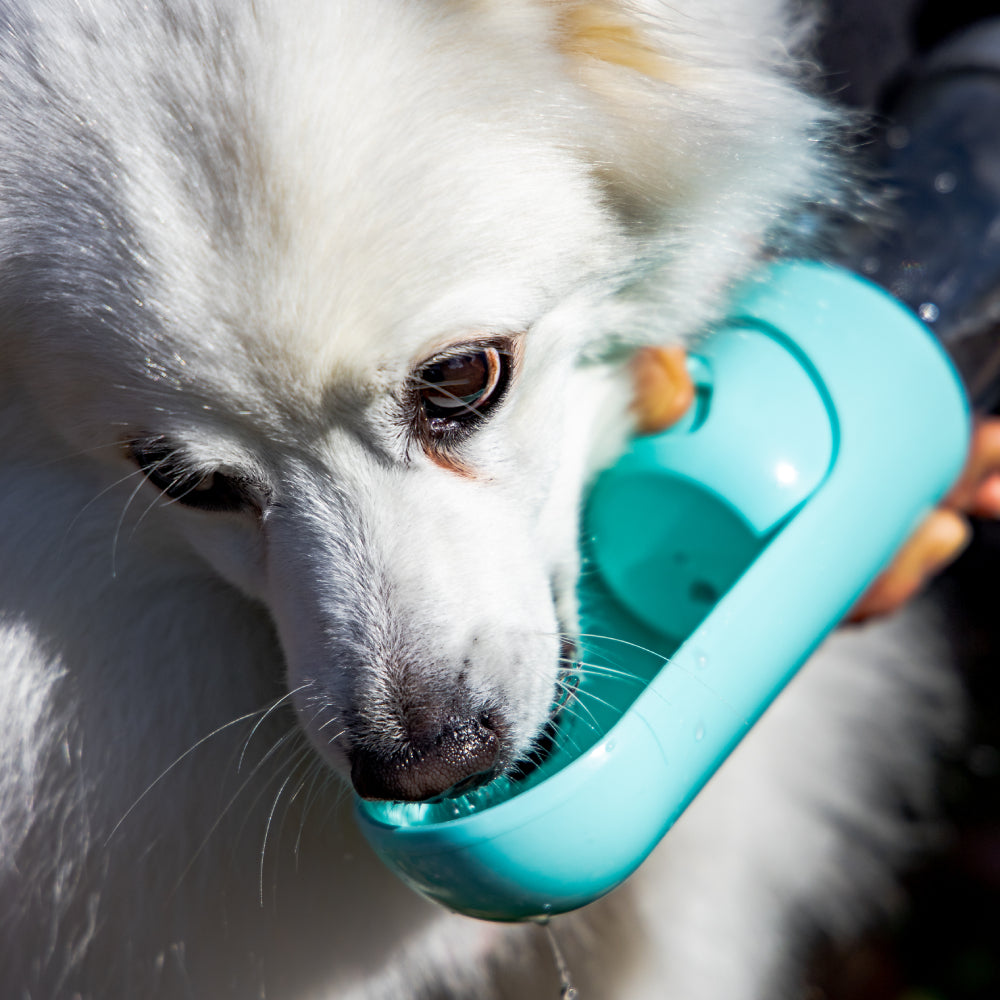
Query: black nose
[{"x": 422, "y": 768}]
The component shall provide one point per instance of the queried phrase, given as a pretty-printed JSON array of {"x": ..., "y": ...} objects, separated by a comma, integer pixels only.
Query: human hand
[
  {"x": 664, "y": 391},
  {"x": 944, "y": 534}
]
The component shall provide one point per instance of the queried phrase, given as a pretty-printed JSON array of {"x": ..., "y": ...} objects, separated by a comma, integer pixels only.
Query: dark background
[{"x": 944, "y": 944}]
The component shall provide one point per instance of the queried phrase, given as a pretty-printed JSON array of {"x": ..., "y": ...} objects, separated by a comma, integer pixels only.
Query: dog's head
[{"x": 332, "y": 288}]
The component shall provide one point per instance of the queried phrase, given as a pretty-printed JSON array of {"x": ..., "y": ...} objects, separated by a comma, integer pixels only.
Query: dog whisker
[
  {"x": 178, "y": 760},
  {"x": 595, "y": 698},
  {"x": 561, "y": 736},
  {"x": 574, "y": 708},
  {"x": 274, "y": 705},
  {"x": 303, "y": 751},
  {"x": 579, "y": 640},
  {"x": 624, "y": 642},
  {"x": 330, "y": 722},
  {"x": 292, "y": 744},
  {"x": 668, "y": 663},
  {"x": 320, "y": 778},
  {"x": 278, "y": 744},
  {"x": 605, "y": 659},
  {"x": 157, "y": 501},
  {"x": 95, "y": 498},
  {"x": 585, "y": 668},
  {"x": 121, "y": 522},
  {"x": 163, "y": 499},
  {"x": 70, "y": 455},
  {"x": 306, "y": 761}
]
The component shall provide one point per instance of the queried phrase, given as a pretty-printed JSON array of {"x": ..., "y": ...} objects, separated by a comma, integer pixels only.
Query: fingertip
[
  {"x": 663, "y": 387},
  {"x": 986, "y": 502},
  {"x": 942, "y": 537},
  {"x": 938, "y": 541},
  {"x": 982, "y": 465}
]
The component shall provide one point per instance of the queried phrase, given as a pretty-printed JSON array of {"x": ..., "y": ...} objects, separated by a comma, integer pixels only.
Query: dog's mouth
[
  {"x": 430, "y": 757},
  {"x": 472, "y": 752},
  {"x": 484, "y": 789},
  {"x": 542, "y": 749}
]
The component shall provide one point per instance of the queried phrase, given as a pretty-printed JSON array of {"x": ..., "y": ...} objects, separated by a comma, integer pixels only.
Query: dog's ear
[
  {"x": 602, "y": 36},
  {"x": 690, "y": 98},
  {"x": 702, "y": 132},
  {"x": 628, "y": 71}
]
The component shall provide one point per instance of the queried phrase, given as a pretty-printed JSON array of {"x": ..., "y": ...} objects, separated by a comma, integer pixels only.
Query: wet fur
[{"x": 241, "y": 227}]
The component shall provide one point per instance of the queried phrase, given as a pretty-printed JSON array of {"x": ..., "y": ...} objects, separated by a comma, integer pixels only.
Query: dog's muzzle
[{"x": 463, "y": 752}]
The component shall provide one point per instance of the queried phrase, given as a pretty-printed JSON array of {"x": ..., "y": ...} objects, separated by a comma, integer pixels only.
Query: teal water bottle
[{"x": 717, "y": 555}]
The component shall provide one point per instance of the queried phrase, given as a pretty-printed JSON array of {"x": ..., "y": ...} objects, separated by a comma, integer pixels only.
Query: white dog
[{"x": 313, "y": 319}]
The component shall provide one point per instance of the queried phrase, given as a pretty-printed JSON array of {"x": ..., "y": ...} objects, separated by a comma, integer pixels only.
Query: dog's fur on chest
[{"x": 241, "y": 550}]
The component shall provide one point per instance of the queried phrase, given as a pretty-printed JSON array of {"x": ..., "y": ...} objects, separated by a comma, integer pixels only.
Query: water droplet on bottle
[
  {"x": 699, "y": 732},
  {"x": 928, "y": 312},
  {"x": 945, "y": 182}
]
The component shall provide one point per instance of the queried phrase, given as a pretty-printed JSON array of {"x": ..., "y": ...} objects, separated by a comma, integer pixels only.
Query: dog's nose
[{"x": 462, "y": 750}]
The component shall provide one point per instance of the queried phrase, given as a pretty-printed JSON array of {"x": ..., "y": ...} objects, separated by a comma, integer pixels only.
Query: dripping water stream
[{"x": 567, "y": 991}]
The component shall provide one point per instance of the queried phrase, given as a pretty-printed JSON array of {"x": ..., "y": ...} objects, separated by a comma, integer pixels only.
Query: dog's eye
[
  {"x": 166, "y": 469},
  {"x": 462, "y": 387}
]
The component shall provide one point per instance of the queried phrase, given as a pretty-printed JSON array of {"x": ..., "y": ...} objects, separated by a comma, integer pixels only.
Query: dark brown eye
[
  {"x": 166, "y": 468},
  {"x": 462, "y": 387}
]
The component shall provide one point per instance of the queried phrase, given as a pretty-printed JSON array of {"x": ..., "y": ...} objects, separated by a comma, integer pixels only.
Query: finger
[
  {"x": 986, "y": 502},
  {"x": 983, "y": 464},
  {"x": 663, "y": 387},
  {"x": 937, "y": 542}
]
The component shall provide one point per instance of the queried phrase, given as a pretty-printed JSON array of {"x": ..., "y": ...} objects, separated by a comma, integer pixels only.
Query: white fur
[{"x": 242, "y": 227}]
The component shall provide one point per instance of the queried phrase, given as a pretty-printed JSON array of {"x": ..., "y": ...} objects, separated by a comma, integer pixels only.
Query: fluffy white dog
[{"x": 313, "y": 315}]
